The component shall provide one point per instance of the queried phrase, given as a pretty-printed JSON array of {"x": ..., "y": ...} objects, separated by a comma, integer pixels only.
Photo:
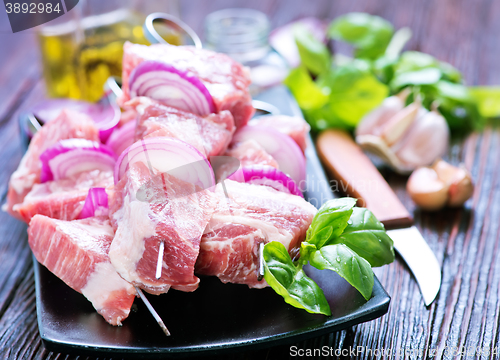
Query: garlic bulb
[
  {"x": 440, "y": 185},
  {"x": 404, "y": 137}
]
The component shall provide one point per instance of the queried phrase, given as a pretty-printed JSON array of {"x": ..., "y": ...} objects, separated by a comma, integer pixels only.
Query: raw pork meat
[
  {"x": 210, "y": 135},
  {"x": 77, "y": 252},
  {"x": 147, "y": 210},
  {"x": 226, "y": 80},
  {"x": 252, "y": 214},
  {"x": 67, "y": 125},
  {"x": 250, "y": 152},
  {"x": 293, "y": 126},
  {"x": 62, "y": 199}
]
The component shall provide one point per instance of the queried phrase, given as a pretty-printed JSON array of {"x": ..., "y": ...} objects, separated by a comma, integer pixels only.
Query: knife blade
[{"x": 358, "y": 177}]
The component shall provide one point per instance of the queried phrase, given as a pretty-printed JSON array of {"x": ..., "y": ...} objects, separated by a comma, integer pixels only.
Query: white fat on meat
[{"x": 136, "y": 223}]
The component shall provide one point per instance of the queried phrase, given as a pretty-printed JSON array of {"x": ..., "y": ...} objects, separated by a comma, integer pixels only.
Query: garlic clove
[
  {"x": 426, "y": 140},
  {"x": 374, "y": 122},
  {"x": 427, "y": 190},
  {"x": 458, "y": 179},
  {"x": 398, "y": 124},
  {"x": 377, "y": 146}
]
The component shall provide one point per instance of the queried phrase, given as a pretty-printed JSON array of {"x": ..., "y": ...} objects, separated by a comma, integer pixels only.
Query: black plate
[{"x": 215, "y": 318}]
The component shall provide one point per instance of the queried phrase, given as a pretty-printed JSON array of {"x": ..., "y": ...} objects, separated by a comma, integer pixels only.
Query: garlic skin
[
  {"x": 427, "y": 190},
  {"x": 374, "y": 122},
  {"x": 411, "y": 137},
  {"x": 440, "y": 185},
  {"x": 459, "y": 179}
]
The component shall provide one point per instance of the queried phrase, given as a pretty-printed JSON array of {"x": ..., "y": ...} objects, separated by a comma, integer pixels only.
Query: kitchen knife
[{"x": 359, "y": 178}]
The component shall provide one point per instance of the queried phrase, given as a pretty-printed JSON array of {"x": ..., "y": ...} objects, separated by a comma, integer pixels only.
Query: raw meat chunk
[
  {"x": 62, "y": 199},
  {"x": 210, "y": 135},
  {"x": 77, "y": 253},
  {"x": 176, "y": 213},
  {"x": 252, "y": 214},
  {"x": 67, "y": 125},
  {"x": 250, "y": 152},
  {"x": 293, "y": 126},
  {"x": 226, "y": 80}
]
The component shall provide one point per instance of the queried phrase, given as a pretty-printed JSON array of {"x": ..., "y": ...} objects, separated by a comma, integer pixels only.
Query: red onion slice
[
  {"x": 96, "y": 203},
  {"x": 122, "y": 137},
  {"x": 105, "y": 115},
  {"x": 170, "y": 86},
  {"x": 268, "y": 176},
  {"x": 281, "y": 147},
  {"x": 168, "y": 155},
  {"x": 72, "y": 156}
]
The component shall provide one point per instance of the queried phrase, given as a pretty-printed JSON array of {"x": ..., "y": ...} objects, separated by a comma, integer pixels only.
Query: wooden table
[{"x": 466, "y": 241}]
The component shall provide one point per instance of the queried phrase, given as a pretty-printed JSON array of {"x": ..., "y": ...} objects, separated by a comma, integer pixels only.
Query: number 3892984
[{"x": 31, "y": 8}]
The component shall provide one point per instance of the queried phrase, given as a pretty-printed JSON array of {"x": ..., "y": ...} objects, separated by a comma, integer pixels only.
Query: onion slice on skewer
[
  {"x": 96, "y": 203},
  {"x": 105, "y": 115},
  {"x": 281, "y": 147},
  {"x": 72, "y": 156},
  {"x": 122, "y": 138},
  {"x": 170, "y": 86},
  {"x": 168, "y": 155},
  {"x": 268, "y": 176}
]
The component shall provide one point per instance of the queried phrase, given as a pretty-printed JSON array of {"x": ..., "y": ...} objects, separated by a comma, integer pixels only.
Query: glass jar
[{"x": 243, "y": 34}]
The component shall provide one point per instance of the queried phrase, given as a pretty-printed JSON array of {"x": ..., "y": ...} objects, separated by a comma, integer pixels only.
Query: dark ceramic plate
[{"x": 215, "y": 318}]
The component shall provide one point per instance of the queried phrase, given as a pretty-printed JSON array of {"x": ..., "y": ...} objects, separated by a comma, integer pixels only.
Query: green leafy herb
[
  {"x": 354, "y": 91},
  {"x": 345, "y": 262},
  {"x": 330, "y": 221},
  {"x": 342, "y": 90},
  {"x": 313, "y": 53},
  {"x": 369, "y": 34},
  {"x": 488, "y": 99},
  {"x": 291, "y": 282},
  {"x": 367, "y": 237},
  {"x": 308, "y": 94},
  {"x": 342, "y": 238}
]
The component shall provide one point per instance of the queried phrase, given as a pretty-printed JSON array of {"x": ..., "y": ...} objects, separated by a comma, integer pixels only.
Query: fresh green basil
[
  {"x": 425, "y": 76},
  {"x": 369, "y": 34},
  {"x": 345, "y": 262},
  {"x": 342, "y": 238},
  {"x": 330, "y": 221},
  {"x": 345, "y": 89},
  {"x": 488, "y": 99},
  {"x": 354, "y": 91},
  {"x": 314, "y": 55},
  {"x": 291, "y": 282},
  {"x": 308, "y": 94},
  {"x": 365, "y": 235}
]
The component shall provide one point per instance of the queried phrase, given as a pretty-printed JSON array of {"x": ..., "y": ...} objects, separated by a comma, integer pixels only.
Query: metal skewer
[
  {"x": 152, "y": 311},
  {"x": 260, "y": 274},
  {"x": 159, "y": 263}
]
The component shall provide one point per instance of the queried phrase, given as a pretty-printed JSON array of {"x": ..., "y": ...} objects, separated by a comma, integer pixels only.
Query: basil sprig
[{"x": 343, "y": 238}]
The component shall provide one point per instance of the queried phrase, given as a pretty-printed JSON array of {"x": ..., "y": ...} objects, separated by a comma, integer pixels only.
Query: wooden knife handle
[{"x": 359, "y": 178}]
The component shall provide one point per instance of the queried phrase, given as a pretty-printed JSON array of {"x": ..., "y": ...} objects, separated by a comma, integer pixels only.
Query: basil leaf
[
  {"x": 323, "y": 118},
  {"x": 418, "y": 77},
  {"x": 369, "y": 34},
  {"x": 314, "y": 55},
  {"x": 354, "y": 92},
  {"x": 488, "y": 100},
  {"x": 304, "y": 89},
  {"x": 365, "y": 235},
  {"x": 330, "y": 221},
  {"x": 345, "y": 262},
  {"x": 291, "y": 282}
]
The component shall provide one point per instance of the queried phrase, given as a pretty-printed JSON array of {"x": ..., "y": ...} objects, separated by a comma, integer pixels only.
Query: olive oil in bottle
[{"x": 79, "y": 55}]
